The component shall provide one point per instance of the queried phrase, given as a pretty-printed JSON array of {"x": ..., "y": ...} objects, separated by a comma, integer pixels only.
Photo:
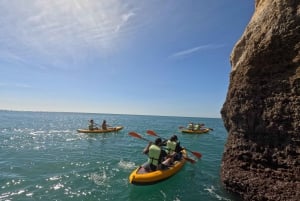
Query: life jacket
[
  {"x": 91, "y": 126},
  {"x": 171, "y": 146},
  {"x": 190, "y": 126},
  {"x": 154, "y": 154}
]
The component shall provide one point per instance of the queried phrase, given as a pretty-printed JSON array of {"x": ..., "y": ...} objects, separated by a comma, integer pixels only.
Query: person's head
[
  {"x": 104, "y": 121},
  {"x": 174, "y": 138},
  {"x": 91, "y": 120},
  {"x": 158, "y": 141}
]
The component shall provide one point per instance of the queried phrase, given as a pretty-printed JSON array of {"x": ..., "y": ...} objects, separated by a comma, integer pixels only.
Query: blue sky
[{"x": 153, "y": 57}]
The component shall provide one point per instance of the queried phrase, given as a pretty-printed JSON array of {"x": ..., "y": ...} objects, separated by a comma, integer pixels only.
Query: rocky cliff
[{"x": 261, "y": 113}]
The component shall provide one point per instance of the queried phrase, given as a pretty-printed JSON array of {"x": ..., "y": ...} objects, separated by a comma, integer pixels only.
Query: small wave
[
  {"x": 60, "y": 131},
  {"x": 18, "y": 130},
  {"x": 71, "y": 139},
  {"x": 29, "y": 194},
  {"x": 4, "y": 195},
  {"x": 39, "y": 147},
  {"x": 15, "y": 182},
  {"x": 71, "y": 194},
  {"x": 4, "y": 130},
  {"x": 99, "y": 179},
  {"x": 55, "y": 178},
  {"x": 57, "y": 186},
  {"x": 81, "y": 164},
  {"x": 9, "y": 194},
  {"x": 163, "y": 194},
  {"x": 36, "y": 132},
  {"x": 212, "y": 190},
  {"x": 12, "y": 183},
  {"x": 126, "y": 165}
]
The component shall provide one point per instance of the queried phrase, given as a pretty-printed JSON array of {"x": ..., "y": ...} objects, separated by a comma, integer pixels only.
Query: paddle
[
  {"x": 189, "y": 160},
  {"x": 136, "y": 135},
  {"x": 197, "y": 154}
]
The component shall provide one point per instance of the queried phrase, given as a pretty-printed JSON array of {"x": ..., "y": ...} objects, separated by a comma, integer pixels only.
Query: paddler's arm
[{"x": 146, "y": 150}]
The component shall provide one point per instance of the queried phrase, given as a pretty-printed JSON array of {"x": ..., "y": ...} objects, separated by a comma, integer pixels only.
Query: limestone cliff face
[{"x": 261, "y": 160}]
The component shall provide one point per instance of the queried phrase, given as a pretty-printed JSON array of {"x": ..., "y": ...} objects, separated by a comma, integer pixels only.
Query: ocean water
[{"x": 42, "y": 157}]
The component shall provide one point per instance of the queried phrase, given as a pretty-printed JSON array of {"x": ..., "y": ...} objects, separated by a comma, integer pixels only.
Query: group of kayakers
[
  {"x": 93, "y": 126},
  {"x": 162, "y": 154},
  {"x": 194, "y": 127}
]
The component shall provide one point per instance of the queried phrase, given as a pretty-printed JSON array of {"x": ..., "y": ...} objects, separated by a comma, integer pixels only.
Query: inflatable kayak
[
  {"x": 141, "y": 177},
  {"x": 205, "y": 130},
  {"x": 110, "y": 129}
]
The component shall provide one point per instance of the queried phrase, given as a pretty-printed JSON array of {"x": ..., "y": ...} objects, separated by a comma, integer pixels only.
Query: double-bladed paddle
[{"x": 197, "y": 154}]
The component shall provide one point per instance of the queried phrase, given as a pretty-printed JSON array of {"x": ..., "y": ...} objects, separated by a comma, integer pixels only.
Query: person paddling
[
  {"x": 173, "y": 148},
  {"x": 104, "y": 125},
  {"x": 92, "y": 125},
  {"x": 156, "y": 156},
  {"x": 190, "y": 126}
]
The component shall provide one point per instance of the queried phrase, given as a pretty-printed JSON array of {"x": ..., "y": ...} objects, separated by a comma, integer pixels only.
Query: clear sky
[{"x": 148, "y": 57}]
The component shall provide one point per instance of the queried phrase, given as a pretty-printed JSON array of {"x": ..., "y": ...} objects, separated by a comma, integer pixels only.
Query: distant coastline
[{"x": 94, "y": 113}]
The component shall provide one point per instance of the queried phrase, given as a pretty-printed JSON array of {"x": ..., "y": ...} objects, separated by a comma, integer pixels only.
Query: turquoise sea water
[{"x": 44, "y": 158}]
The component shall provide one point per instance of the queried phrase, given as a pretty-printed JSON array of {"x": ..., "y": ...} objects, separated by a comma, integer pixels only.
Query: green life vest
[
  {"x": 190, "y": 126},
  {"x": 171, "y": 146},
  {"x": 154, "y": 153},
  {"x": 196, "y": 127}
]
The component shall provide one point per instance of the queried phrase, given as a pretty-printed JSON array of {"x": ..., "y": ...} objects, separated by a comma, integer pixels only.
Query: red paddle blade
[
  {"x": 151, "y": 132},
  {"x": 190, "y": 160},
  {"x": 134, "y": 134},
  {"x": 197, "y": 154}
]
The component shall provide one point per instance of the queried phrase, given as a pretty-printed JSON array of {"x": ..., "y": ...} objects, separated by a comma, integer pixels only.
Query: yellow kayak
[
  {"x": 141, "y": 177},
  {"x": 205, "y": 130},
  {"x": 110, "y": 129}
]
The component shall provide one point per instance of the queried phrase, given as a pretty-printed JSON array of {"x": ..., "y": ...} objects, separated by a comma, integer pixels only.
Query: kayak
[
  {"x": 141, "y": 177},
  {"x": 110, "y": 129},
  {"x": 205, "y": 130}
]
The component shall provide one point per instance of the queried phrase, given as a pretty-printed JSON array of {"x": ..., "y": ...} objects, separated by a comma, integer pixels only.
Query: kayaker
[
  {"x": 92, "y": 125},
  {"x": 156, "y": 156},
  {"x": 104, "y": 125},
  {"x": 173, "y": 148},
  {"x": 202, "y": 126},
  {"x": 190, "y": 126},
  {"x": 197, "y": 127}
]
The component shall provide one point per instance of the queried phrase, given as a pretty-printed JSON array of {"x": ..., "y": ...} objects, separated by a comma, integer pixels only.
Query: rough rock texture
[{"x": 261, "y": 160}]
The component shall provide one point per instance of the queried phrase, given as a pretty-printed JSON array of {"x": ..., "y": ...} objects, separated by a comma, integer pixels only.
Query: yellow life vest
[{"x": 154, "y": 153}]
